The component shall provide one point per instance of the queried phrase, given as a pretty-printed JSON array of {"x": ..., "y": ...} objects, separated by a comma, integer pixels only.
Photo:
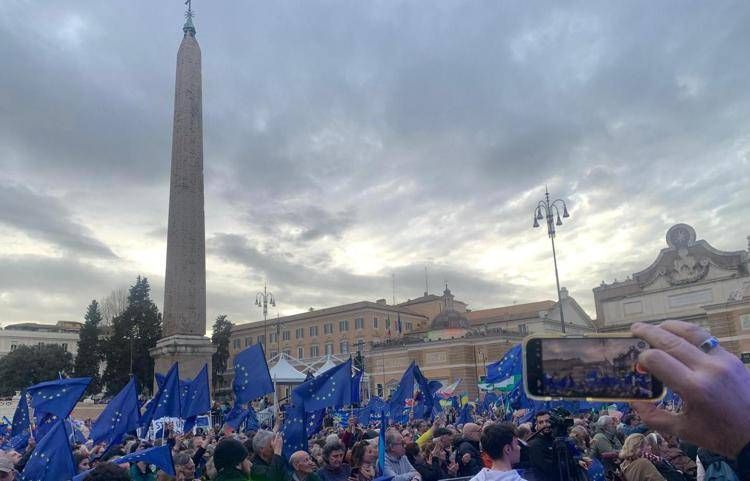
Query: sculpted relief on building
[{"x": 686, "y": 276}]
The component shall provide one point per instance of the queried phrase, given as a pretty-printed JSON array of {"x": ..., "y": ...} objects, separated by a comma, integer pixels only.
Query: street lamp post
[
  {"x": 550, "y": 211},
  {"x": 263, "y": 299}
]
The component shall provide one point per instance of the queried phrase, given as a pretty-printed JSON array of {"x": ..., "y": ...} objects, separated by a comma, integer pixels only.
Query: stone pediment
[{"x": 686, "y": 260}]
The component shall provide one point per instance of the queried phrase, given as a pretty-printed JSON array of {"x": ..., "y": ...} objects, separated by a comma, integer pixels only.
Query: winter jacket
[
  {"x": 475, "y": 464},
  {"x": 231, "y": 474},
  {"x": 276, "y": 470},
  {"x": 342, "y": 474}
]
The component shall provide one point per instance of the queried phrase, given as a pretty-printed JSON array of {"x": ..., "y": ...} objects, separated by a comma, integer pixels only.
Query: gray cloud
[
  {"x": 48, "y": 219},
  {"x": 421, "y": 130}
]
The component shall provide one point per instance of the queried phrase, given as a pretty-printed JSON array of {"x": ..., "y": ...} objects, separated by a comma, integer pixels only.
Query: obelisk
[{"x": 184, "y": 320}]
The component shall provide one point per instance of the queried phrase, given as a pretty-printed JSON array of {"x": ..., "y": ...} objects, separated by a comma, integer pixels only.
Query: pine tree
[
  {"x": 134, "y": 332},
  {"x": 89, "y": 348},
  {"x": 222, "y": 330}
]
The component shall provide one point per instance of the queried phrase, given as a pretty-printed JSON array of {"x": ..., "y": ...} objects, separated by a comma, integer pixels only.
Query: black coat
[
  {"x": 474, "y": 465},
  {"x": 542, "y": 457}
]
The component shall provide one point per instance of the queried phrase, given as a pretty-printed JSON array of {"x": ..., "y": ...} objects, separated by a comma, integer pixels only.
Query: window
[
  {"x": 745, "y": 321},
  {"x": 379, "y": 389},
  {"x": 329, "y": 348},
  {"x": 313, "y": 331},
  {"x": 300, "y": 353},
  {"x": 285, "y": 336},
  {"x": 300, "y": 333},
  {"x": 237, "y": 344},
  {"x": 248, "y": 341},
  {"x": 522, "y": 329},
  {"x": 359, "y": 323},
  {"x": 361, "y": 346},
  {"x": 343, "y": 326},
  {"x": 65, "y": 346},
  {"x": 272, "y": 338},
  {"x": 13, "y": 347},
  {"x": 374, "y": 322},
  {"x": 314, "y": 351},
  {"x": 328, "y": 328},
  {"x": 344, "y": 347},
  {"x": 287, "y": 352},
  {"x": 409, "y": 327},
  {"x": 262, "y": 340}
]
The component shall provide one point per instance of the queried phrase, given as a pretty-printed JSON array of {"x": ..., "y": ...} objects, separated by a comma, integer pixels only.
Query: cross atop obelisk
[{"x": 184, "y": 322}]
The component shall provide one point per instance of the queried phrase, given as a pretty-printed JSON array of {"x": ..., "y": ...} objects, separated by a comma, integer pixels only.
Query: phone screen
[{"x": 595, "y": 367}]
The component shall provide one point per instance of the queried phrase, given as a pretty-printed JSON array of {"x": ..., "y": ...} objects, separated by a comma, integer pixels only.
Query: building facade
[
  {"x": 691, "y": 281},
  {"x": 440, "y": 333},
  {"x": 459, "y": 343},
  {"x": 63, "y": 333}
]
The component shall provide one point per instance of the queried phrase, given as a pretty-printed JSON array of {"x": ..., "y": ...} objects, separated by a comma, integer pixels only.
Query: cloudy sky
[{"x": 346, "y": 141}]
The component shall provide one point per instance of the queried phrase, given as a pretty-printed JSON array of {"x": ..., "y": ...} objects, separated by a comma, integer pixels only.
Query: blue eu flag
[
  {"x": 52, "y": 459},
  {"x": 293, "y": 429},
  {"x": 251, "y": 377},
  {"x": 198, "y": 398},
  {"x": 21, "y": 426},
  {"x": 251, "y": 421},
  {"x": 168, "y": 398},
  {"x": 465, "y": 416},
  {"x": 356, "y": 382},
  {"x": 510, "y": 366},
  {"x": 405, "y": 391},
  {"x": 235, "y": 416},
  {"x": 58, "y": 397},
  {"x": 332, "y": 388},
  {"x": 120, "y": 417},
  {"x": 160, "y": 456},
  {"x": 44, "y": 422}
]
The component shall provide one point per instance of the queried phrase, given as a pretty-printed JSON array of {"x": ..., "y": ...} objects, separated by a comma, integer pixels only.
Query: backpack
[{"x": 720, "y": 471}]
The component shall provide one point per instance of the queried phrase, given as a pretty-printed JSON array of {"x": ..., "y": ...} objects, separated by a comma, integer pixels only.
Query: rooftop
[
  {"x": 507, "y": 313},
  {"x": 355, "y": 306},
  {"x": 60, "y": 326}
]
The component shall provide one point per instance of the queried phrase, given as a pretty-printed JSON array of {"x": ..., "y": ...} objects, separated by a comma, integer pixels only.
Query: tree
[
  {"x": 89, "y": 349},
  {"x": 222, "y": 330},
  {"x": 134, "y": 332},
  {"x": 28, "y": 365},
  {"x": 113, "y": 305}
]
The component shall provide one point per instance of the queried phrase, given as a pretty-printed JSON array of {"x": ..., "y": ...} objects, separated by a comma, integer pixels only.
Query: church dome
[{"x": 450, "y": 319}]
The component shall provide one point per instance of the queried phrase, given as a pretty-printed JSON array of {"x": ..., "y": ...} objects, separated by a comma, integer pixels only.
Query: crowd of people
[{"x": 647, "y": 443}]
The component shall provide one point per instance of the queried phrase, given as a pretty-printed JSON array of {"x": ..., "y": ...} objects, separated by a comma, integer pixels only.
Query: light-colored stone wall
[
  {"x": 669, "y": 302},
  {"x": 444, "y": 361},
  {"x": 10, "y": 339}
]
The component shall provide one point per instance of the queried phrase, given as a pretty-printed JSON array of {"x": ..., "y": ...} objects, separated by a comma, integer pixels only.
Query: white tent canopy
[
  {"x": 326, "y": 366},
  {"x": 284, "y": 373}
]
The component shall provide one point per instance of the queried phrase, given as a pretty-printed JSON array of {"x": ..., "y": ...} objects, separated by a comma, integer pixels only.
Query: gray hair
[
  {"x": 296, "y": 458},
  {"x": 391, "y": 436},
  {"x": 332, "y": 446},
  {"x": 603, "y": 421},
  {"x": 262, "y": 439}
]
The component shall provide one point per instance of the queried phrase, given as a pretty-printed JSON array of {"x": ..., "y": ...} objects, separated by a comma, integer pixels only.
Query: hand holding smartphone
[{"x": 591, "y": 367}]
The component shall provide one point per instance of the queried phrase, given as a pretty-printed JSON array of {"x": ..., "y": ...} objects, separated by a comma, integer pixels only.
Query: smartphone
[{"x": 590, "y": 367}]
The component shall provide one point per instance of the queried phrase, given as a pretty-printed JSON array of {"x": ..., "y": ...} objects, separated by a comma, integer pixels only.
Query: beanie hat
[{"x": 229, "y": 453}]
